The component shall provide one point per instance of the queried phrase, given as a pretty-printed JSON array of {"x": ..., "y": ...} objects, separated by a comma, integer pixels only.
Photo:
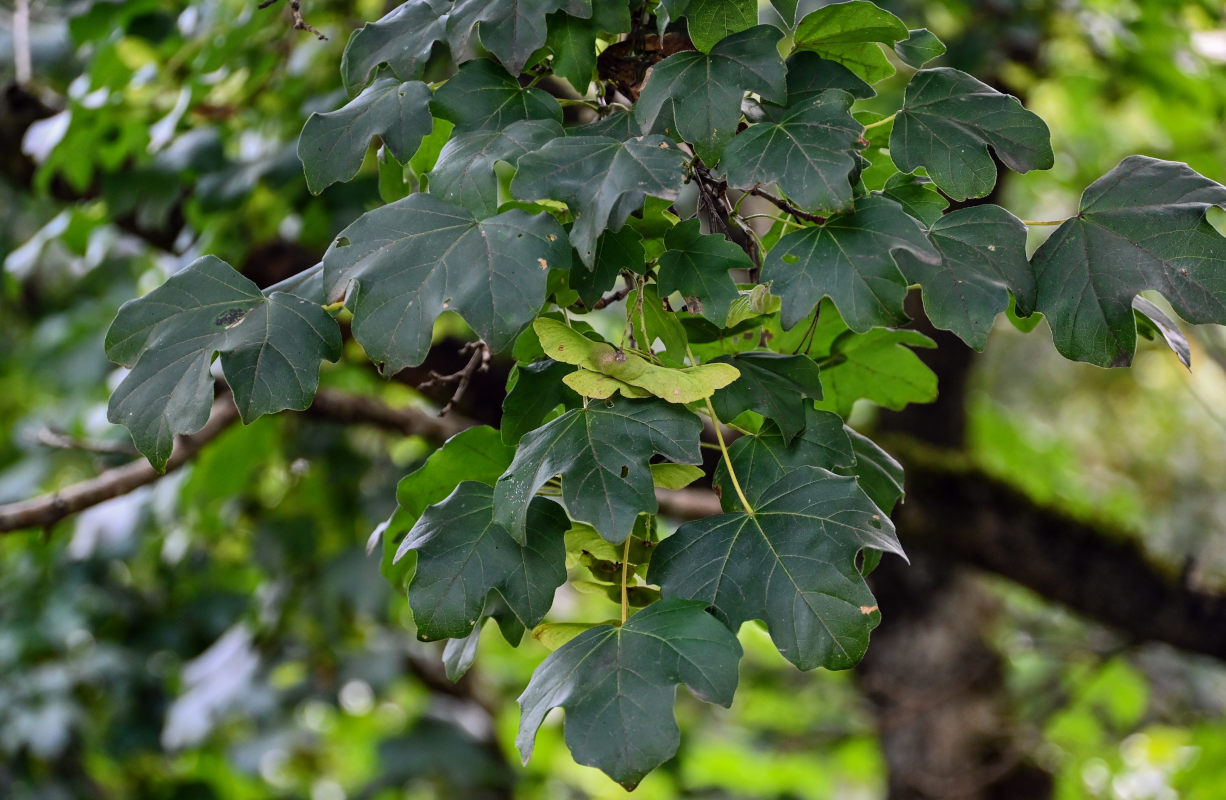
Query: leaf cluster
[{"x": 683, "y": 246}]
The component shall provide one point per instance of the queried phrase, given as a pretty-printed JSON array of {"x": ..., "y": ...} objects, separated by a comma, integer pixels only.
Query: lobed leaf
[
  {"x": 602, "y": 454},
  {"x": 270, "y": 349},
  {"x": 401, "y": 265},
  {"x": 1140, "y": 226},
  {"x": 850, "y": 260},
  {"x": 618, "y": 685},
  {"x": 791, "y": 563},
  {"x": 705, "y": 89},
  {"x": 774, "y": 385},
  {"x": 851, "y": 34},
  {"x": 948, "y": 121},
  {"x": 601, "y": 179},
  {"x": 334, "y": 144},
  {"x": 463, "y": 555}
]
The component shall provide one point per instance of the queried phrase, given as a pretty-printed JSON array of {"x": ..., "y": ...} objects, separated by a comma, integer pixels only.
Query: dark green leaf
[
  {"x": 949, "y": 120},
  {"x": 1140, "y": 226},
  {"x": 464, "y": 172},
  {"x": 792, "y": 564},
  {"x": 920, "y": 47},
  {"x": 483, "y": 96},
  {"x": 602, "y": 180},
  {"x": 849, "y": 259},
  {"x": 402, "y": 39},
  {"x": 463, "y": 555},
  {"x": 697, "y": 266},
  {"x": 849, "y": 34},
  {"x": 538, "y": 390},
  {"x": 706, "y": 90},
  {"x": 709, "y": 21},
  {"x": 618, "y": 685},
  {"x": 602, "y": 453},
  {"x": 1153, "y": 321},
  {"x": 809, "y": 152},
  {"x": 761, "y": 460},
  {"x": 333, "y": 145},
  {"x": 809, "y": 75},
  {"x": 510, "y": 29},
  {"x": 917, "y": 195},
  {"x": 270, "y": 351},
  {"x": 772, "y": 384},
  {"x": 879, "y": 474},
  {"x": 615, "y": 251},
  {"x": 983, "y": 259},
  {"x": 402, "y": 265}
]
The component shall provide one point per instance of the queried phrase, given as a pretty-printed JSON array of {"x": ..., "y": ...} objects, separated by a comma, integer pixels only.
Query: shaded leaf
[
  {"x": 809, "y": 75},
  {"x": 917, "y": 195},
  {"x": 949, "y": 120},
  {"x": 792, "y": 564},
  {"x": 510, "y": 29},
  {"x": 675, "y": 476},
  {"x": 334, "y": 144},
  {"x": 484, "y": 96},
  {"x": 602, "y": 180},
  {"x": 602, "y": 453},
  {"x": 1140, "y": 226},
  {"x": 696, "y": 265},
  {"x": 705, "y": 90},
  {"x": 772, "y": 384},
  {"x": 983, "y": 260},
  {"x": 809, "y": 152},
  {"x": 463, "y": 555},
  {"x": 618, "y": 685},
  {"x": 709, "y": 21},
  {"x": 402, "y": 39},
  {"x": 401, "y": 265},
  {"x": 538, "y": 390},
  {"x": 879, "y": 473},
  {"x": 615, "y": 251},
  {"x": 849, "y": 33},
  {"x": 920, "y": 47},
  {"x": 464, "y": 173},
  {"x": 761, "y": 460},
  {"x": 849, "y": 259},
  {"x": 270, "y": 349}
]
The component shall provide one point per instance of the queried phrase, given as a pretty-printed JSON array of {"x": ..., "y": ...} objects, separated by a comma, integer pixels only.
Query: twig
[
  {"x": 607, "y": 300},
  {"x": 479, "y": 362},
  {"x": 300, "y": 24},
  {"x": 49, "y": 437},
  {"x": 784, "y": 205}
]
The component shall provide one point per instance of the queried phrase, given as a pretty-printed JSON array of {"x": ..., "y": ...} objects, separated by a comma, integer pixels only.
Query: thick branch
[
  {"x": 41, "y": 512},
  {"x": 958, "y": 512}
]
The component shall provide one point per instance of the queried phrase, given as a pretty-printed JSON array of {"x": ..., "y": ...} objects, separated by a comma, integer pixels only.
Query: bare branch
[
  {"x": 44, "y": 511},
  {"x": 784, "y": 205},
  {"x": 479, "y": 362},
  {"x": 50, "y": 437}
]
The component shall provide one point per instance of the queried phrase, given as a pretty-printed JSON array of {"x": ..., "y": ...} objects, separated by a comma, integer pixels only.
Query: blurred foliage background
[{"x": 223, "y": 634}]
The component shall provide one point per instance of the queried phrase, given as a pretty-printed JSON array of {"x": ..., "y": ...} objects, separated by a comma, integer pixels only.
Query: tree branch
[
  {"x": 953, "y": 508},
  {"x": 44, "y": 511}
]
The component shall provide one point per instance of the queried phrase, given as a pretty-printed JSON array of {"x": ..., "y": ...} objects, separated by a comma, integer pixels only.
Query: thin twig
[
  {"x": 49, "y": 437},
  {"x": 784, "y": 205},
  {"x": 300, "y": 24},
  {"x": 479, "y": 362},
  {"x": 607, "y": 300}
]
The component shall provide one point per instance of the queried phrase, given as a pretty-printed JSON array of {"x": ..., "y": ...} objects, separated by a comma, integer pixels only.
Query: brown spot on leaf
[{"x": 867, "y": 609}]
